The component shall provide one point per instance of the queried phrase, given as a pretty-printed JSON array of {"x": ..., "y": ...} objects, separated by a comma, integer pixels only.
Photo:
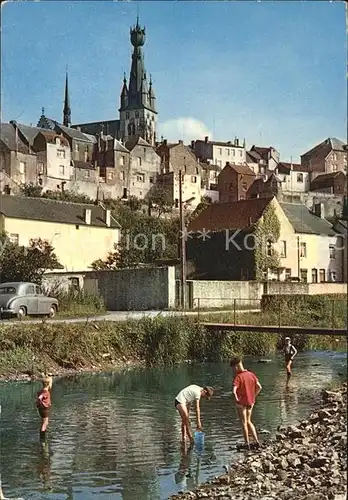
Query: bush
[{"x": 77, "y": 302}]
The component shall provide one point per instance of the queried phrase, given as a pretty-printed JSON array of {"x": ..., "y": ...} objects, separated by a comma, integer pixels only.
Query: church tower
[
  {"x": 66, "y": 109},
  {"x": 138, "y": 115}
]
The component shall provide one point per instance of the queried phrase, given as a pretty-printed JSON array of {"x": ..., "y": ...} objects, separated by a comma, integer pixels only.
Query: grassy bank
[{"x": 31, "y": 349}]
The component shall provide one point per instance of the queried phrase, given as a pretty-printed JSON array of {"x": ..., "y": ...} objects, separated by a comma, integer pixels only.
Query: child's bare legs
[
  {"x": 185, "y": 422},
  {"x": 243, "y": 418},
  {"x": 44, "y": 424},
  {"x": 251, "y": 426}
]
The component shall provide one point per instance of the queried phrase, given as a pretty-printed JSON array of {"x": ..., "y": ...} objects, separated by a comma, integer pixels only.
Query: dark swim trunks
[
  {"x": 176, "y": 403},
  {"x": 43, "y": 412}
]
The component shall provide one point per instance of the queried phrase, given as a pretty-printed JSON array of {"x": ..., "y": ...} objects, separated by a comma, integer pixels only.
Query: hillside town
[{"x": 123, "y": 159}]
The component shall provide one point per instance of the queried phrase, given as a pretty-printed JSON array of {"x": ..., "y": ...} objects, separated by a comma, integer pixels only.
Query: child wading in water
[
  {"x": 246, "y": 388},
  {"x": 183, "y": 401},
  {"x": 290, "y": 352},
  {"x": 43, "y": 404}
]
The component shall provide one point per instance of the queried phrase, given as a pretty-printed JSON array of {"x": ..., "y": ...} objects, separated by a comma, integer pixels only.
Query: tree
[
  {"x": 144, "y": 240},
  {"x": 160, "y": 199},
  {"x": 19, "y": 263},
  {"x": 31, "y": 190}
]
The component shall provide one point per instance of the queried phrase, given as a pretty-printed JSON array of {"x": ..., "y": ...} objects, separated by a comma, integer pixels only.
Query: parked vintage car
[{"x": 21, "y": 299}]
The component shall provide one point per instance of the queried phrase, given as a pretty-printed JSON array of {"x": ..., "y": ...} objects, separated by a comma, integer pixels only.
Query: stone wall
[{"x": 135, "y": 289}]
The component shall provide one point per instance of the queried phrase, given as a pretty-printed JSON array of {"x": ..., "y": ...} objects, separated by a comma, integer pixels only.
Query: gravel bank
[{"x": 307, "y": 462}]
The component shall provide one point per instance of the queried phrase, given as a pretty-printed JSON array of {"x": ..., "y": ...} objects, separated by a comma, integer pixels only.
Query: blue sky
[{"x": 272, "y": 72}]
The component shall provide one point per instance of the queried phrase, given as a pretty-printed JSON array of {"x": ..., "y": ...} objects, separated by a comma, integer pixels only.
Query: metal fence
[{"x": 311, "y": 312}]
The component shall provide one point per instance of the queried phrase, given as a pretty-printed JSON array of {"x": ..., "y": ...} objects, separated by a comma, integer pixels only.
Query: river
[{"x": 117, "y": 435}]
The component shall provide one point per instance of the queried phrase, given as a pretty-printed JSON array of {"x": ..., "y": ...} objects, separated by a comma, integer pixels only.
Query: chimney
[
  {"x": 87, "y": 214},
  {"x": 193, "y": 144},
  {"x": 206, "y": 138},
  {"x": 319, "y": 210},
  {"x": 180, "y": 141},
  {"x": 108, "y": 217},
  {"x": 165, "y": 142}
]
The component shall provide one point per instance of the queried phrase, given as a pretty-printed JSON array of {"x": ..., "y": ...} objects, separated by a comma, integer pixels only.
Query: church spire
[{"x": 66, "y": 110}]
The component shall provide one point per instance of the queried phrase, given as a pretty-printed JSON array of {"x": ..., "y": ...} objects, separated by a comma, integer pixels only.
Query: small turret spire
[{"x": 66, "y": 110}]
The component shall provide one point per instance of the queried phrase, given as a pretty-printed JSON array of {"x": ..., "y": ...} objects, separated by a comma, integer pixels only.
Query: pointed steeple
[
  {"x": 152, "y": 97},
  {"x": 124, "y": 93},
  {"x": 66, "y": 110}
]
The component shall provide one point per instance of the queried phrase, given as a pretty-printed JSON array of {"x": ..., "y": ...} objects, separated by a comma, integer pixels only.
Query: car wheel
[
  {"x": 22, "y": 312},
  {"x": 53, "y": 311}
]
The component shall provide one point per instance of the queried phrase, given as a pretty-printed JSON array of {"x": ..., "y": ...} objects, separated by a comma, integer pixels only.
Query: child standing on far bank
[{"x": 43, "y": 404}]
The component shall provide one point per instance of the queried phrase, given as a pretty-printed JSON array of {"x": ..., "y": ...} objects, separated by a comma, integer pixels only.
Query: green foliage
[
  {"x": 267, "y": 230},
  {"x": 158, "y": 341},
  {"x": 35, "y": 191},
  {"x": 31, "y": 190},
  {"x": 18, "y": 263},
  {"x": 144, "y": 240},
  {"x": 77, "y": 302},
  {"x": 159, "y": 198}
]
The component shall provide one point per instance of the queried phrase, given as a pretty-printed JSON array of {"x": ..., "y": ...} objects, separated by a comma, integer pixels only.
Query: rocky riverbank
[{"x": 307, "y": 462}]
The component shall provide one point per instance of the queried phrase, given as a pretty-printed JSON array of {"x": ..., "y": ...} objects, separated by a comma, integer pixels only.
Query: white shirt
[{"x": 190, "y": 394}]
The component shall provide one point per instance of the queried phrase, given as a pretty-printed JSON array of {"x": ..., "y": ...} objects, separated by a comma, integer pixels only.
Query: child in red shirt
[
  {"x": 43, "y": 404},
  {"x": 246, "y": 388}
]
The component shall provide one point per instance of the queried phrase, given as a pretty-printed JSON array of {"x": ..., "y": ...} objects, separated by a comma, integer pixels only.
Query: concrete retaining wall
[
  {"x": 219, "y": 294},
  {"x": 134, "y": 289}
]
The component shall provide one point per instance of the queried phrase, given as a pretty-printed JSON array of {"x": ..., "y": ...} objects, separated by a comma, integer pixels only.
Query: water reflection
[{"x": 118, "y": 435}]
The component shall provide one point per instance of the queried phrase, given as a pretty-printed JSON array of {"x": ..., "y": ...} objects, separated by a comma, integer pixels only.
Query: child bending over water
[
  {"x": 191, "y": 394},
  {"x": 43, "y": 404}
]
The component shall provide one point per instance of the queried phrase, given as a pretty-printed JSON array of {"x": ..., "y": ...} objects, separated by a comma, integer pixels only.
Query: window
[
  {"x": 220, "y": 151},
  {"x": 321, "y": 275},
  {"x": 14, "y": 238},
  {"x": 40, "y": 168},
  {"x": 30, "y": 290},
  {"x": 333, "y": 275},
  {"x": 125, "y": 194},
  {"x": 61, "y": 169},
  {"x": 110, "y": 176},
  {"x": 74, "y": 284},
  {"x": 314, "y": 275},
  {"x": 60, "y": 153},
  {"x": 240, "y": 153},
  {"x": 141, "y": 178},
  {"x": 87, "y": 174},
  {"x": 193, "y": 179},
  {"x": 334, "y": 157},
  {"x": 269, "y": 248},
  {"x": 22, "y": 167},
  {"x": 38, "y": 290},
  {"x": 233, "y": 152},
  {"x": 303, "y": 249},
  {"x": 57, "y": 141},
  {"x": 303, "y": 275},
  {"x": 122, "y": 176},
  {"x": 334, "y": 167},
  {"x": 283, "y": 248},
  {"x": 231, "y": 186},
  {"x": 196, "y": 171},
  {"x": 287, "y": 274},
  {"x": 332, "y": 251},
  {"x": 122, "y": 160},
  {"x": 227, "y": 152},
  {"x": 76, "y": 148},
  {"x": 151, "y": 180},
  {"x": 299, "y": 177},
  {"x": 139, "y": 161}
]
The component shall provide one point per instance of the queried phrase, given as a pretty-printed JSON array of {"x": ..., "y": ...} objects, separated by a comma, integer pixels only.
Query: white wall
[
  {"x": 54, "y": 162},
  {"x": 211, "y": 193},
  {"x": 189, "y": 189},
  {"x": 229, "y": 153},
  {"x": 291, "y": 182}
]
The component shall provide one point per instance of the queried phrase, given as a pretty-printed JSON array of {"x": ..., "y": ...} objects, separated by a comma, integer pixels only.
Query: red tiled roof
[
  {"x": 240, "y": 169},
  {"x": 236, "y": 215}
]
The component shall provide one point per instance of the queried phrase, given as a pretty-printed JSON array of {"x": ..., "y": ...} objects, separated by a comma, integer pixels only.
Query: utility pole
[
  {"x": 183, "y": 246},
  {"x": 298, "y": 258}
]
